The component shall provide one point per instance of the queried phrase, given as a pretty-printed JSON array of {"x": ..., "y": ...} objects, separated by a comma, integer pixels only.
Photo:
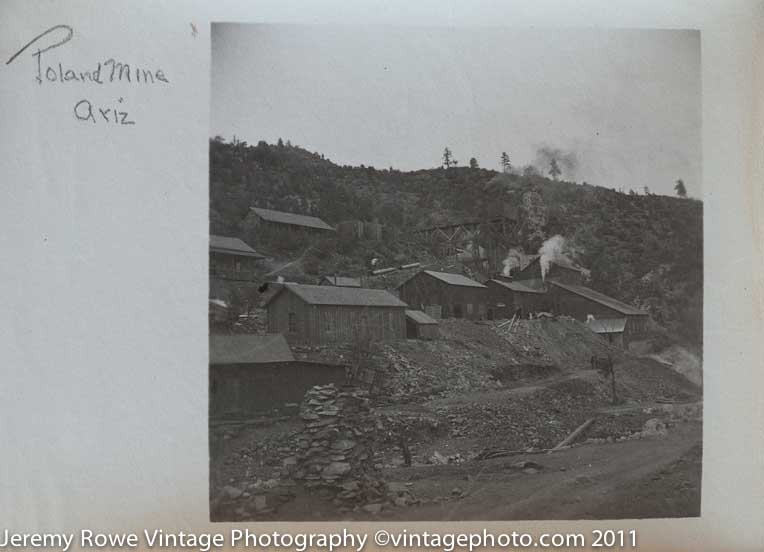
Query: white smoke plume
[
  {"x": 515, "y": 259},
  {"x": 551, "y": 250}
]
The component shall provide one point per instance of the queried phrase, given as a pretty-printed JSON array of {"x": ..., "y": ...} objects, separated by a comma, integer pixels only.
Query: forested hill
[{"x": 642, "y": 248}]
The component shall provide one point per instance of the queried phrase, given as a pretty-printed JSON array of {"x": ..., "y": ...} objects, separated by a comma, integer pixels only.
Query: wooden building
[
  {"x": 455, "y": 294},
  {"x": 232, "y": 259},
  {"x": 253, "y": 373},
  {"x": 420, "y": 326},
  {"x": 341, "y": 281},
  {"x": 269, "y": 222},
  {"x": 560, "y": 270},
  {"x": 507, "y": 297},
  {"x": 331, "y": 314},
  {"x": 582, "y": 303},
  {"x": 610, "y": 329}
]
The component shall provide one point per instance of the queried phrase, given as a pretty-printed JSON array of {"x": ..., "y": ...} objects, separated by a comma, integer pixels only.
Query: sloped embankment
[{"x": 562, "y": 342}]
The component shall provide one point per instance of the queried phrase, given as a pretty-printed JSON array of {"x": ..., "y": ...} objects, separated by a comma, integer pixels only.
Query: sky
[{"x": 622, "y": 106}]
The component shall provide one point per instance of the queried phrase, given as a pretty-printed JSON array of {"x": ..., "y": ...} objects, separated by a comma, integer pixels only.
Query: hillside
[{"x": 644, "y": 249}]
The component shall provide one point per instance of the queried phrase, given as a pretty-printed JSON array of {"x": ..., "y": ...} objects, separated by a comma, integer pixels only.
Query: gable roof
[
  {"x": 249, "y": 349},
  {"x": 600, "y": 298},
  {"x": 420, "y": 317},
  {"x": 521, "y": 286},
  {"x": 293, "y": 219},
  {"x": 342, "y": 281},
  {"x": 232, "y": 246},
  {"x": 341, "y": 296},
  {"x": 559, "y": 261},
  {"x": 452, "y": 279},
  {"x": 607, "y": 325}
]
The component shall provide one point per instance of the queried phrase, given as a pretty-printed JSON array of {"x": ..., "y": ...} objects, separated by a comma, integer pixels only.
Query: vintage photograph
[{"x": 455, "y": 273}]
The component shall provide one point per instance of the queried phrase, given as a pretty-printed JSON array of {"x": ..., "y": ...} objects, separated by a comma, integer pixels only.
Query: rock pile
[{"x": 337, "y": 442}]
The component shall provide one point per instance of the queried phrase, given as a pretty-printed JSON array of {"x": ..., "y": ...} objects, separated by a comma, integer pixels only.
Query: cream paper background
[{"x": 103, "y": 281}]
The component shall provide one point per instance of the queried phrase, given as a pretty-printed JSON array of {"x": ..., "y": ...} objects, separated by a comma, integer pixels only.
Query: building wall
[
  {"x": 245, "y": 389},
  {"x": 421, "y": 331},
  {"x": 317, "y": 324},
  {"x": 423, "y": 291},
  {"x": 512, "y": 300},
  {"x": 232, "y": 267}
]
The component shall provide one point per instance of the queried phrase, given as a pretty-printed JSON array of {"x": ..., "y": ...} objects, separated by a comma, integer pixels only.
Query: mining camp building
[
  {"x": 507, "y": 297},
  {"x": 581, "y": 302},
  {"x": 610, "y": 329},
  {"x": 445, "y": 295},
  {"x": 269, "y": 221},
  {"x": 232, "y": 259},
  {"x": 330, "y": 314},
  {"x": 420, "y": 326},
  {"x": 252, "y": 373}
]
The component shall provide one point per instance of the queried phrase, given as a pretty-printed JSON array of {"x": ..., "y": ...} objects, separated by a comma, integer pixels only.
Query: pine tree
[
  {"x": 506, "y": 166},
  {"x": 448, "y": 158},
  {"x": 554, "y": 169},
  {"x": 680, "y": 188}
]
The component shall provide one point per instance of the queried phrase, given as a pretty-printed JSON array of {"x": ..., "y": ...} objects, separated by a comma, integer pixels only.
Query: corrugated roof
[
  {"x": 454, "y": 279},
  {"x": 600, "y": 298},
  {"x": 249, "y": 349},
  {"x": 291, "y": 218},
  {"x": 233, "y": 246},
  {"x": 343, "y": 281},
  {"x": 607, "y": 325},
  {"x": 343, "y": 296},
  {"x": 519, "y": 286},
  {"x": 419, "y": 317}
]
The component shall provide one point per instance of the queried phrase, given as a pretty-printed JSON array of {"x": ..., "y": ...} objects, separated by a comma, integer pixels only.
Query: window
[
  {"x": 292, "y": 322},
  {"x": 237, "y": 265}
]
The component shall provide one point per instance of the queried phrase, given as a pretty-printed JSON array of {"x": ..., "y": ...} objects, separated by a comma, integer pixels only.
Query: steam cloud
[
  {"x": 515, "y": 259},
  {"x": 551, "y": 250}
]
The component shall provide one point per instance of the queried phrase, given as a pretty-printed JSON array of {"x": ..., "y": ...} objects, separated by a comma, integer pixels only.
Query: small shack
[
  {"x": 610, "y": 329},
  {"x": 456, "y": 295},
  {"x": 420, "y": 326},
  {"x": 341, "y": 281},
  {"x": 253, "y": 373},
  {"x": 317, "y": 315},
  {"x": 232, "y": 259}
]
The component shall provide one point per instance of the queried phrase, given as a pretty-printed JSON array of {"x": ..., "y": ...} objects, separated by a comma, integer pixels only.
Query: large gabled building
[
  {"x": 445, "y": 295},
  {"x": 331, "y": 314},
  {"x": 268, "y": 221},
  {"x": 583, "y": 303}
]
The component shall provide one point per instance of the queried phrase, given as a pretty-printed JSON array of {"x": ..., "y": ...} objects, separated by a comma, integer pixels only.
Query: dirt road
[{"x": 656, "y": 477}]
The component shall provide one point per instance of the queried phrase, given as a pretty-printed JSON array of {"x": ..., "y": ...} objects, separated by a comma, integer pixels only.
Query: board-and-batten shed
[
  {"x": 455, "y": 294},
  {"x": 330, "y": 314},
  {"x": 421, "y": 326}
]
